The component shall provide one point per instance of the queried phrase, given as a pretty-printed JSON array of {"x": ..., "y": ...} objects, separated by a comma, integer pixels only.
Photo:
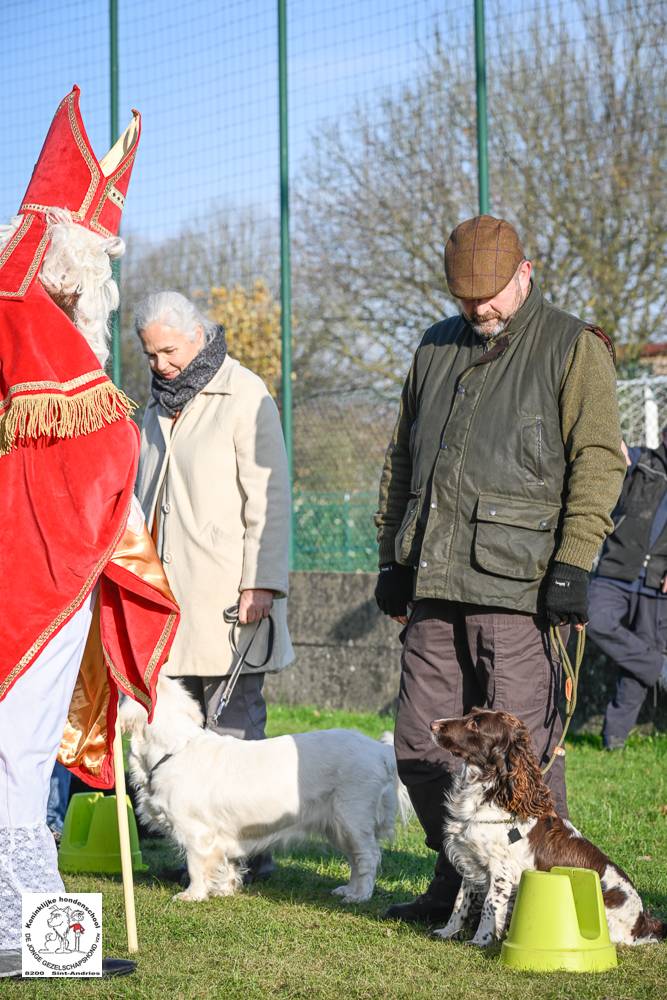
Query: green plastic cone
[
  {"x": 90, "y": 840},
  {"x": 559, "y": 922}
]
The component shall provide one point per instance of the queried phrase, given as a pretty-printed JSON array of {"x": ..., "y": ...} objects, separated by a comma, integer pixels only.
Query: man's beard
[
  {"x": 494, "y": 324},
  {"x": 490, "y": 327}
]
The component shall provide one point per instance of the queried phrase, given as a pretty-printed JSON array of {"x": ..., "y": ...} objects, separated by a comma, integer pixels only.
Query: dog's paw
[
  {"x": 225, "y": 890},
  {"x": 188, "y": 896},
  {"x": 349, "y": 895},
  {"x": 483, "y": 941},
  {"x": 446, "y": 933}
]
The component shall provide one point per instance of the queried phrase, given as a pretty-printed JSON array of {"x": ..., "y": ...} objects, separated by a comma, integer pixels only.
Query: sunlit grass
[{"x": 290, "y": 938}]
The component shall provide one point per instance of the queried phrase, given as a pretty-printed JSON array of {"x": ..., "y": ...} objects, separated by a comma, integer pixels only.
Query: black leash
[
  {"x": 152, "y": 771},
  {"x": 231, "y": 616}
]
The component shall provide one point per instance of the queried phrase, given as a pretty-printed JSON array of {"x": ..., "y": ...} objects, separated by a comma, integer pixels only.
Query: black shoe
[
  {"x": 436, "y": 904},
  {"x": 612, "y": 742},
  {"x": 10, "y": 963},
  {"x": 260, "y": 867},
  {"x": 433, "y": 906},
  {"x": 118, "y": 967}
]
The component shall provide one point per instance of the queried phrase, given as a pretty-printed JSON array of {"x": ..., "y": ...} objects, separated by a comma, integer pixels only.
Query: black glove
[
  {"x": 566, "y": 595},
  {"x": 393, "y": 589}
]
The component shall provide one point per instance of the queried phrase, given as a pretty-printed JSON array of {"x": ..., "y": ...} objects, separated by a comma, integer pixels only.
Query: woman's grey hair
[{"x": 174, "y": 310}]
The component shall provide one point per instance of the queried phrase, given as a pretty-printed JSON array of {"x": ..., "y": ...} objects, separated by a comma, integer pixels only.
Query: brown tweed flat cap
[{"x": 481, "y": 256}]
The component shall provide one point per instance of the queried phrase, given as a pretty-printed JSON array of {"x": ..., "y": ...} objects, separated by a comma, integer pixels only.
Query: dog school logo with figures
[{"x": 62, "y": 935}]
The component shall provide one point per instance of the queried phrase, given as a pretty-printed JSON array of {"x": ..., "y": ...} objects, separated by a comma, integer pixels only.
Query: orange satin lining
[
  {"x": 85, "y": 741},
  {"x": 136, "y": 553}
]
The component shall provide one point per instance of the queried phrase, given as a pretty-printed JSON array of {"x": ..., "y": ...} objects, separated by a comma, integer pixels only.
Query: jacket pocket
[
  {"x": 532, "y": 447},
  {"x": 514, "y": 536},
  {"x": 406, "y": 544}
]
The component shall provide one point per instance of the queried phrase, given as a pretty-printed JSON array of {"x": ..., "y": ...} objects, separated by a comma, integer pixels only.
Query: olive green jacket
[{"x": 505, "y": 456}]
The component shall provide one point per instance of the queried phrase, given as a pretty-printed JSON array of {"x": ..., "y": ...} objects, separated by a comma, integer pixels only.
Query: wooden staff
[{"x": 124, "y": 835}]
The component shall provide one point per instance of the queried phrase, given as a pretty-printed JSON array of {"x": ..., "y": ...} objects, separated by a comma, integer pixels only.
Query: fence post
[
  {"x": 116, "y": 365},
  {"x": 346, "y": 527},
  {"x": 651, "y": 425},
  {"x": 480, "y": 77},
  {"x": 285, "y": 266}
]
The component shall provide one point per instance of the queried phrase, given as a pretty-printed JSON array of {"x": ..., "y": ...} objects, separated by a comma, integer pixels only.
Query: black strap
[
  {"x": 231, "y": 616},
  {"x": 155, "y": 767}
]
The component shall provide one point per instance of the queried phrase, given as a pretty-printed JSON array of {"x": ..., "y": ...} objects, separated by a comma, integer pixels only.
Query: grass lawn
[{"x": 289, "y": 937}]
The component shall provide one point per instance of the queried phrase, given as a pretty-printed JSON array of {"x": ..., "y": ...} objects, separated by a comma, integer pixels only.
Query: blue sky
[{"x": 204, "y": 76}]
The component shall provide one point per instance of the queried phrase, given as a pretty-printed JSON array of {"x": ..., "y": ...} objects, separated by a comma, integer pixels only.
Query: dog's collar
[
  {"x": 513, "y": 835},
  {"x": 163, "y": 760},
  {"x": 152, "y": 771},
  {"x": 512, "y": 819}
]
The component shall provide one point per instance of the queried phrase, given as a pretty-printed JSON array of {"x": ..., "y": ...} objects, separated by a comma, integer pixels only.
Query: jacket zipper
[
  {"x": 466, "y": 372},
  {"x": 538, "y": 429}
]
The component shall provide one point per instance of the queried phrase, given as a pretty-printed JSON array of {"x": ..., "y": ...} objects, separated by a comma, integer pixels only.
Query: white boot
[{"x": 28, "y": 863}]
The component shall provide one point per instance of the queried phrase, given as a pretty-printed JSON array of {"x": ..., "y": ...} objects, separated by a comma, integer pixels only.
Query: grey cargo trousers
[{"x": 458, "y": 656}]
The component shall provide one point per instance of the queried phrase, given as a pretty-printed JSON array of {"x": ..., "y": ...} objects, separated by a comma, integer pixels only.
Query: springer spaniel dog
[
  {"x": 223, "y": 799},
  {"x": 501, "y": 820}
]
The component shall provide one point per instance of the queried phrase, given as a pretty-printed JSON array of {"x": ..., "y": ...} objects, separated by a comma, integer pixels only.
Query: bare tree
[
  {"x": 580, "y": 136},
  {"x": 371, "y": 210},
  {"x": 577, "y": 161}
]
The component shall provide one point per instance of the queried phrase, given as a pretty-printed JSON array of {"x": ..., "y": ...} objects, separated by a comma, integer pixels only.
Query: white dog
[{"x": 223, "y": 799}]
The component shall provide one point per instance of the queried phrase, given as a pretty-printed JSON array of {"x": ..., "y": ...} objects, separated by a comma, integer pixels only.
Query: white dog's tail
[{"x": 405, "y": 809}]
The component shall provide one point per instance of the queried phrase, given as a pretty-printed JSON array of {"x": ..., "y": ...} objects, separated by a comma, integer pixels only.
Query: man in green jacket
[{"x": 495, "y": 497}]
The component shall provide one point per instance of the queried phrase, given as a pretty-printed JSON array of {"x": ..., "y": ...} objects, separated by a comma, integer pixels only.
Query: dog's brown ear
[
  {"x": 523, "y": 791},
  {"x": 499, "y": 775}
]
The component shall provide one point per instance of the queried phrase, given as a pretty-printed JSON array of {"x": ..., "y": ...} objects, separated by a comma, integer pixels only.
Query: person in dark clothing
[
  {"x": 56, "y": 807},
  {"x": 628, "y": 596},
  {"x": 495, "y": 497}
]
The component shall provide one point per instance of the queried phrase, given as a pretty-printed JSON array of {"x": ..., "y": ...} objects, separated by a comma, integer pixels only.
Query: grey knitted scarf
[{"x": 174, "y": 393}]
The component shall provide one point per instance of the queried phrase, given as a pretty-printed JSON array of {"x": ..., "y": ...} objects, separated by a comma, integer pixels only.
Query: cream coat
[{"x": 220, "y": 474}]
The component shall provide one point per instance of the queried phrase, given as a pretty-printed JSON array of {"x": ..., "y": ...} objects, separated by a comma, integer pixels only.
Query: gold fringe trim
[{"x": 54, "y": 415}]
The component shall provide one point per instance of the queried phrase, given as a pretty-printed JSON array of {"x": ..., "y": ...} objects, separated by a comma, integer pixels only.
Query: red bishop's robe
[{"x": 68, "y": 459}]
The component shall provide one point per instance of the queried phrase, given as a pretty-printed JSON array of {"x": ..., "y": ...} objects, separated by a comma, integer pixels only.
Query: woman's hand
[{"x": 254, "y": 605}]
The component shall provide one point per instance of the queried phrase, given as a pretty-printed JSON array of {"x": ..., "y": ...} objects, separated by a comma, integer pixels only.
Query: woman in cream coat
[{"x": 214, "y": 487}]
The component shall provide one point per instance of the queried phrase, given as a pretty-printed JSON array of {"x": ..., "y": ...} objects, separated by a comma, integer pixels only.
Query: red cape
[{"x": 68, "y": 458}]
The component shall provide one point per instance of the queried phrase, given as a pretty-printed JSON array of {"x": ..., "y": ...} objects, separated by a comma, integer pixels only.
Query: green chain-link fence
[
  {"x": 383, "y": 163},
  {"x": 339, "y": 447}
]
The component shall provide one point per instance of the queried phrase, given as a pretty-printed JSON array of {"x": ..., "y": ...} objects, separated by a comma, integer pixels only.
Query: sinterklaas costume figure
[{"x": 86, "y": 609}]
